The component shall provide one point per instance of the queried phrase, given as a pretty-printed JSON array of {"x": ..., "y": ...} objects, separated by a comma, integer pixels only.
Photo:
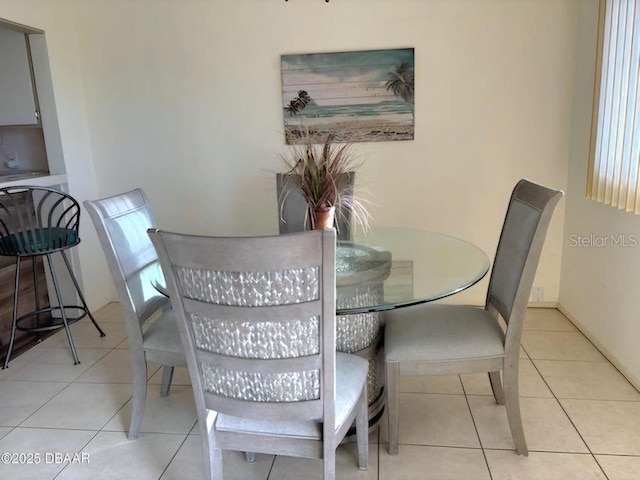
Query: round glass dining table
[{"x": 383, "y": 269}]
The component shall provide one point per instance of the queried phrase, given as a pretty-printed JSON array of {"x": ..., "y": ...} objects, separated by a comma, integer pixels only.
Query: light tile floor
[{"x": 581, "y": 418}]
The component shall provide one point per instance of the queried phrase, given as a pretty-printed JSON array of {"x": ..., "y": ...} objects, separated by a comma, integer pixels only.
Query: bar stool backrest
[{"x": 37, "y": 220}]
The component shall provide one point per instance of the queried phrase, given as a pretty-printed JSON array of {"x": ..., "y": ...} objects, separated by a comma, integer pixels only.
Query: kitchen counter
[{"x": 12, "y": 178}]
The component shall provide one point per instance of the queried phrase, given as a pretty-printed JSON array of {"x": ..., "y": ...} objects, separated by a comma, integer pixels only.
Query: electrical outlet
[{"x": 537, "y": 294}]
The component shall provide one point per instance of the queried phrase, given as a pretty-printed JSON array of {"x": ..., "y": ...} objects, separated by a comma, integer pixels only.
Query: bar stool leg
[
  {"x": 14, "y": 324},
  {"x": 84, "y": 304},
  {"x": 76, "y": 361},
  {"x": 36, "y": 293}
]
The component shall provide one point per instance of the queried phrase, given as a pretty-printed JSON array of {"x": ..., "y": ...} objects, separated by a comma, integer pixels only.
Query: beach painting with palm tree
[{"x": 364, "y": 96}]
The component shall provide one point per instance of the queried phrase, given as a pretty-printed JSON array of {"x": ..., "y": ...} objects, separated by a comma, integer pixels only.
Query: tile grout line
[
  {"x": 85, "y": 446},
  {"x": 618, "y": 455},
  {"x": 45, "y": 403},
  {"x": 65, "y": 388},
  {"x": 569, "y": 361},
  {"x": 484, "y": 455},
  {"x": 110, "y": 350},
  {"x": 571, "y": 420},
  {"x": 590, "y": 452},
  {"x": 100, "y": 429},
  {"x": 11, "y": 429},
  {"x": 435, "y": 445},
  {"x": 67, "y": 429},
  {"x": 601, "y": 353},
  {"x": 57, "y": 381},
  {"x": 562, "y": 406},
  {"x": 174, "y": 455},
  {"x": 186, "y": 436},
  {"x": 273, "y": 462}
]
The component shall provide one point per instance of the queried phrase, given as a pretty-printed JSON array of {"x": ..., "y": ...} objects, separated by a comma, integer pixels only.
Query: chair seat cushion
[
  {"x": 351, "y": 375},
  {"x": 441, "y": 333},
  {"x": 163, "y": 335},
  {"x": 38, "y": 241}
]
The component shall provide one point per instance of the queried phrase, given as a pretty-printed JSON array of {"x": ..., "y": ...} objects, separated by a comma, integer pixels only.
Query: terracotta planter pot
[{"x": 323, "y": 218}]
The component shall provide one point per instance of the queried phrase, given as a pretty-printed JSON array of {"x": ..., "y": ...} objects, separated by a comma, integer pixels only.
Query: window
[{"x": 613, "y": 176}]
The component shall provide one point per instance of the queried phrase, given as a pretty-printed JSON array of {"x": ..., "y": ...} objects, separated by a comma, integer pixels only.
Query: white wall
[
  {"x": 183, "y": 99},
  {"x": 55, "y": 17},
  {"x": 599, "y": 287}
]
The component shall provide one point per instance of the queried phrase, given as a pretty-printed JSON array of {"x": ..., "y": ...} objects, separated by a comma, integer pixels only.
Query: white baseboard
[
  {"x": 610, "y": 356},
  {"x": 542, "y": 305}
]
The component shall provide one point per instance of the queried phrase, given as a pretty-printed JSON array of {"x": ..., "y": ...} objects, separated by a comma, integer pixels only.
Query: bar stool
[{"x": 39, "y": 221}]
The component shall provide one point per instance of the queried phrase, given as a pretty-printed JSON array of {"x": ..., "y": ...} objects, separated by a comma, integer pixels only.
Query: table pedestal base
[{"x": 366, "y": 331}]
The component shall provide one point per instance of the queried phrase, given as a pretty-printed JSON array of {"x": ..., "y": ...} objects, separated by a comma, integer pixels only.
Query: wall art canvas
[{"x": 364, "y": 96}]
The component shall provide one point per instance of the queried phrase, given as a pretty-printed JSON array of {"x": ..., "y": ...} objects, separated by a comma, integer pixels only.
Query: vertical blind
[{"x": 613, "y": 175}]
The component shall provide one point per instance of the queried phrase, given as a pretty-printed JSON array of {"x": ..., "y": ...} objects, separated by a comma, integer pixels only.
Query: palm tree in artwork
[{"x": 401, "y": 83}]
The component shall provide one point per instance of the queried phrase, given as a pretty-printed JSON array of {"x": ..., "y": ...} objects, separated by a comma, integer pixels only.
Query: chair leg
[
  {"x": 216, "y": 464},
  {"x": 56, "y": 287},
  {"x": 14, "y": 323},
  {"x": 392, "y": 386},
  {"x": 212, "y": 453},
  {"x": 362, "y": 430},
  {"x": 84, "y": 303},
  {"x": 139, "y": 367},
  {"x": 512, "y": 404},
  {"x": 167, "y": 376},
  {"x": 329, "y": 460},
  {"x": 496, "y": 386}
]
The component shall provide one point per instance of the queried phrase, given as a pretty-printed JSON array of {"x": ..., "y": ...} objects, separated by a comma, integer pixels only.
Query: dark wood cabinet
[{"x": 26, "y": 301}]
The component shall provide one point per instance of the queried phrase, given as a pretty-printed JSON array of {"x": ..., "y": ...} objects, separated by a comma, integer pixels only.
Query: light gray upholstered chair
[
  {"x": 258, "y": 323},
  {"x": 293, "y": 212},
  {"x": 450, "y": 339},
  {"x": 122, "y": 222}
]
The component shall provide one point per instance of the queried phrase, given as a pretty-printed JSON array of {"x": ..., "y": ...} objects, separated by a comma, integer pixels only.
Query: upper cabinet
[{"x": 17, "y": 97}]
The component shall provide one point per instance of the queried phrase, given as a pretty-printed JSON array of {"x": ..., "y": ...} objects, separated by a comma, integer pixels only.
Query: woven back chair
[{"x": 257, "y": 321}]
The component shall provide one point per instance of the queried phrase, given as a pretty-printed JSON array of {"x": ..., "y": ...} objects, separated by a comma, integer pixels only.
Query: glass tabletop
[
  {"x": 399, "y": 267},
  {"x": 388, "y": 268}
]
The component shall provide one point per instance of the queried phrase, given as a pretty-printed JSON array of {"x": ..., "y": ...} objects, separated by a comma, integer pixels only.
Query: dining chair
[
  {"x": 122, "y": 222},
  {"x": 40, "y": 222},
  {"x": 293, "y": 211},
  {"x": 451, "y": 339},
  {"x": 258, "y": 324}
]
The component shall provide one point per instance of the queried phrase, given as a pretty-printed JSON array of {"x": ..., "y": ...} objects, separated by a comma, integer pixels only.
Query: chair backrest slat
[
  {"x": 237, "y": 255},
  {"x": 266, "y": 411},
  {"x": 255, "y": 319},
  {"x": 282, "y": 314},
  {"x": 249, "y": 365}
]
